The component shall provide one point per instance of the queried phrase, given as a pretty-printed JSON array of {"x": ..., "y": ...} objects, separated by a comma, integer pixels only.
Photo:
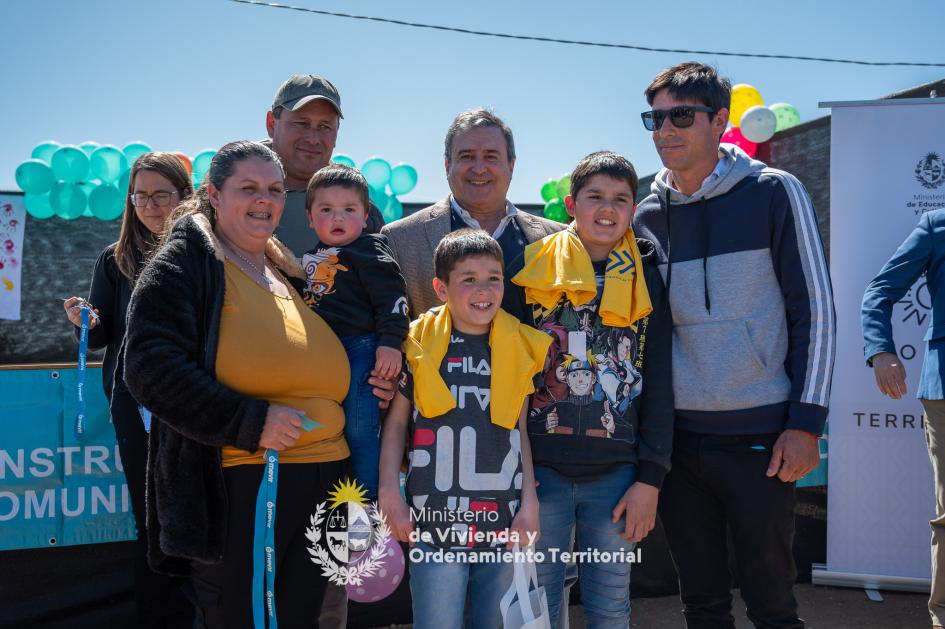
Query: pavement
[{"x": 821, "y": 607}]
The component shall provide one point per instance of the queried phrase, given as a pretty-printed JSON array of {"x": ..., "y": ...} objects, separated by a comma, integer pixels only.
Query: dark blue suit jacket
[{"x": 922, "y": 252}]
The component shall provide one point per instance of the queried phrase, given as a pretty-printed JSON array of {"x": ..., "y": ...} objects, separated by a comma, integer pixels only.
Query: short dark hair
[
  {"x": 461, "y": 244},
  {"x": 693, "y": 81},
  {"x": 477, "y": 118},
  {"x": 603, "y": 163},
  {"x": 338, "y": 175}
]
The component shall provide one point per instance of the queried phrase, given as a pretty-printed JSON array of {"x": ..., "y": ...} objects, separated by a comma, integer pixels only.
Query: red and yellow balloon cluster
[{"x": 752, "y": 123}]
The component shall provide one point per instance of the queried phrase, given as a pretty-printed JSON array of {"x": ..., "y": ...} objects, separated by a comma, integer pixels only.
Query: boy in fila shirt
[{"x": 463, "y": 396}]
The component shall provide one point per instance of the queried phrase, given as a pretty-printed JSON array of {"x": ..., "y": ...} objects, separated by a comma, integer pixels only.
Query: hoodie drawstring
[
  {"x": 705, "y": 252},
  {"x": 669, "y": 259}
]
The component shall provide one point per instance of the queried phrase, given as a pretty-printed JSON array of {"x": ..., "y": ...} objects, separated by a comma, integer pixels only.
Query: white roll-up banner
[{"x": 887, "y": 167}]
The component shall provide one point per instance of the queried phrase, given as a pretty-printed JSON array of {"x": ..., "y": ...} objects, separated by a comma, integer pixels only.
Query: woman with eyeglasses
[
  {"x": 245, "y": 384},
  {"x": 158, "y": 183}
]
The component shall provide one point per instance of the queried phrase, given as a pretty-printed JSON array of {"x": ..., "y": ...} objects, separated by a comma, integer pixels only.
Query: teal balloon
[
  {"x": 34, "y": 177},
  {"x": 787, "y": 116},
  {"x": 89, "y": 147},
  {"x": 341, "y": 158},
  {"x": 107, "y": 163},
  {"x": 393, "y": 210},
  {"x": 68, "y": 200},
  {"x": 377, "y": 172},
  {"x": 44, "y": 151},
  {"x": 87, "y": 213},
  {"x": 549, "y": 190},
  {"x": 37, "y": 205},
  {"x": 105, "y": 202},
  {"x": 201, "y": 164},
  {"x": 123, "y": 183},
  {"x": 403, "y": 179},
  {"x": 564, "y": 187},
  {"x": 555, "y": 211},
  {"x": 378, "y": 197},
  {"x": 70, "y": 164},
  {"x": 134, "y": 150}
]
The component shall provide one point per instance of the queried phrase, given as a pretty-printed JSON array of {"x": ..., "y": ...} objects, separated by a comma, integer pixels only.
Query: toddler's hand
[
  {"x": 389, "y": 362},
  {"x": 397, "y": 515}
]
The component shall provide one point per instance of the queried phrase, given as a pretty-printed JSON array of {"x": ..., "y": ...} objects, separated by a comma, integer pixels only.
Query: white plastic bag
[{"x": 524, "y": 605}]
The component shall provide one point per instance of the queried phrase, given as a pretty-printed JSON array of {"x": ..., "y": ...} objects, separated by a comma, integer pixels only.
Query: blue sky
[{"x": 185, "y": 75}]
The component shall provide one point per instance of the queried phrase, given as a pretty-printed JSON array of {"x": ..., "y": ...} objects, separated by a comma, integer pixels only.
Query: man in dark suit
[
  {"x": 480, "y": 157},
  {"x": 922, "y": 252}
]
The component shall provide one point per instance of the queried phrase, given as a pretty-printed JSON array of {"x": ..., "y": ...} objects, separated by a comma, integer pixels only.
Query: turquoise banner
[{"x": 56, "y": 489}]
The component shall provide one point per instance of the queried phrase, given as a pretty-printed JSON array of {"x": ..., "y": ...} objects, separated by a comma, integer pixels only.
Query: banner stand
[{"x": 887, "y": 168}]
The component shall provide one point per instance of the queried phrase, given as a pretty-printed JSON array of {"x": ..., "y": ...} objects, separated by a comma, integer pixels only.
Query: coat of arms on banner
[
  {"x": 930, "y": 171},
  {"x": 348, "y": 536}
]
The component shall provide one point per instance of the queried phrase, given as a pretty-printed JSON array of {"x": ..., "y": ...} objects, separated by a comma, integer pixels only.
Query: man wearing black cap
[{"x": 303, "y": 126}]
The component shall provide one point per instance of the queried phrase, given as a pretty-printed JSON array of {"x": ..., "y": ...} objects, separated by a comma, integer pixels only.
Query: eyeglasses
[
  {"x": 681, "y": 116},
  {"x": 161, "y": 199}
]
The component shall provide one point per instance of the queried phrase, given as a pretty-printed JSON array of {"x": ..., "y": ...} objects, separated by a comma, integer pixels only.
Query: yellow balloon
[{"x": 744, "y": 97}]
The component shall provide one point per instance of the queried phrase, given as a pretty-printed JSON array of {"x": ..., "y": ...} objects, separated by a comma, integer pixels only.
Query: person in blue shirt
[{"x": 923, "y": 252}]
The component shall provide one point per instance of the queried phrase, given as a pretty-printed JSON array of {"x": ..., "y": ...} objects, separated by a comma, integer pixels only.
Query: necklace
[{"x": 260, "y": 272}]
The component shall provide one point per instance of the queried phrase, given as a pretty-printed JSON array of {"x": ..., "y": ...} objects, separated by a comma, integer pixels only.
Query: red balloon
[
  {"x": 188, "y": 166},
  {"x": 734, "y": 136}
]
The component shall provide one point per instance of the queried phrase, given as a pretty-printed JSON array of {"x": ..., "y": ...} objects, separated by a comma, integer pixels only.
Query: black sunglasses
[{"x": 681, "y": 116}]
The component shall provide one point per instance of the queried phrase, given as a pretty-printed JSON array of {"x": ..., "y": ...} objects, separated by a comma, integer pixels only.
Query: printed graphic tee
[{"x": 465, "y": 473}]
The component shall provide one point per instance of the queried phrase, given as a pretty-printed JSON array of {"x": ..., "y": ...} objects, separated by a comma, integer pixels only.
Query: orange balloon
[{"x": 188, "y": 166}]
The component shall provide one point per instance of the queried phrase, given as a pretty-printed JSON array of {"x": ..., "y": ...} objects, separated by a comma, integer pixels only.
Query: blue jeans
[
  {"x": 584, "y": 507},
  {"x": 362, "y": 413},
  {"x": 439, "y": 592}
]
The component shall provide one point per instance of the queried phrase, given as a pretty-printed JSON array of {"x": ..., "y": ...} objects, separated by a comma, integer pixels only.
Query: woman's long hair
[
  {"x": 221, "y": 168},
  {"x": 135, "y": 241}
]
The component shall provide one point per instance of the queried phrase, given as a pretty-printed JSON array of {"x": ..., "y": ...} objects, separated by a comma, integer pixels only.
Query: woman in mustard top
[{"x": 231, "y": 362}]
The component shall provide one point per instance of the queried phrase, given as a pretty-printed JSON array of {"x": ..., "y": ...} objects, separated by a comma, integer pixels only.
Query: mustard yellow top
[{"x": 275, "y": 348}]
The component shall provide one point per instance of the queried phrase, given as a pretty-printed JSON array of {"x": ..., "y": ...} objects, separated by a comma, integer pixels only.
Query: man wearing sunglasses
[{"x": 753, "y": 351}]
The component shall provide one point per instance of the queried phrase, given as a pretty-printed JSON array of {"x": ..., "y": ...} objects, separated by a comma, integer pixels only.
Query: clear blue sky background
[{"x": 185, "y": 75}]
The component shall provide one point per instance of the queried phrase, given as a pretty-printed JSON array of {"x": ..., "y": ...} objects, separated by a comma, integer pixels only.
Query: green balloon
[
  {"x": 393, "y": 210},
  {"x": 107, "y": 163},
  {"x": 87, "y": 213},
  {"x": 787, "y": 116},
  {"x": 549, "y": 190},
  {"x": 134, "y": 150},
  {"x": 89, "y": 147},
  {"x": 70, "y": 164},
  {"x": 37, "y": 205},
  {"x": 44, "y": 151},
  {"x": 201, "y": 164},
  {"x": 377, "y": 172},
  {"x": 68, "y": 200},
  {"x": 105, "y": 201},
  {"x": 123, "y": 183},
  {"x": 378, "y": 197},
  {"x": 403, "y": 179},
  {"x": 341, "y": 158},
  {"x": 555, "y": 211},
  {"x": 564, "y": 187},
  {"x": 34, "y": 177}
]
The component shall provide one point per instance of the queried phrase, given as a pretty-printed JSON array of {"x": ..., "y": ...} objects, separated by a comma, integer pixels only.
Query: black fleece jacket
[
  {"x": 648, "y": 420},
  {"x": 170, "y": 358}
]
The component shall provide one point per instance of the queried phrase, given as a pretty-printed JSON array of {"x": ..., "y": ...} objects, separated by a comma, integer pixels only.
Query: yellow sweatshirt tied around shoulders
[
  {"x": 559, "y": 265},
  {"x": 518, "y": 353}
]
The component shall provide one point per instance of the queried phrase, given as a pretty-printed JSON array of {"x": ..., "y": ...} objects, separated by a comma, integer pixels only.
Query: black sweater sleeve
[
  {"x": 380, "y": 275},
  {"x": 102, "y": 296},
  {"x": 656, "y": 399},
  {"x": 168, "y": 367},
  {"x": 513, "y": 301}
]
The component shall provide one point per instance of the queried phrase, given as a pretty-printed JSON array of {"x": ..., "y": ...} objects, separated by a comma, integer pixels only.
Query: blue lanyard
[
  {"x": 83, "y": 351},
  {"x": 264, "y": 542},
  {"x": 264, "y": 545}
]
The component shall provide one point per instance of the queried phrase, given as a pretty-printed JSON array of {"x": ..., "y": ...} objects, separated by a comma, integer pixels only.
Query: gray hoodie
[{"x": 752, "y": 305}]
